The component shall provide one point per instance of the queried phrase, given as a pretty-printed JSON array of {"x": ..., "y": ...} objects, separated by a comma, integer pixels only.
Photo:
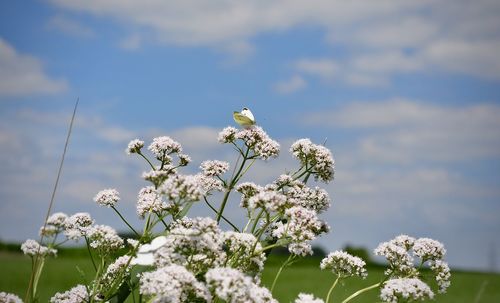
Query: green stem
[
  {"x": 145, "y": 158},
  {"x": 224, "y": 218},
  {"x": 354, "y": 295},
  {"x": 90, "y": 253},
  {"x": 257, "y": 220},
  {"x": 231, "y": 185},
  {"x": 331, "y": 289},
  {"x": 279, "y": 272},
  {"x": 123, "y": 219}
]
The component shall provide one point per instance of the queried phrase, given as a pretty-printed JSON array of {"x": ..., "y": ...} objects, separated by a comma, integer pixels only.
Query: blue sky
[{"x": 406, "y": 95}]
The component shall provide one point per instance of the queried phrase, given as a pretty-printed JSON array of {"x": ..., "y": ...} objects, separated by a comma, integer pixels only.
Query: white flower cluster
[
  {"x": 33, "y": 248},
  {"x": 254, "y": 138},
  {"x": 209, "y": 184},
  {"x": 173, "y": 283},
  {"x": 104, "y": 239},
  {"x": 162, "y": 147},
  {"x": 193, "y": 243},
  {"x": 409, "y": 289},
  {"x": 233, "y": 286},
  {"x": 182, "y": 188},
  {"x": 443, "y": 275},
  {"x": 149, "y": 200},
  {"x": 428, "y": 249},
  {"x": 134, "y": 146},
  {"x": 300, "y": 194},
  {"x": 269, "y": 200},
  {"x": 243, "y": 249},
  {"x": 55, "y": 224},
  {"x": 107, "y": 197},
  {"x": 401, "y": 251},
  {"x": 307, "y": 298},
  {"x": 78, "y": 225},
  {"x": 317, "y": 157},
  {"x": 158, "y": 175},
  {"x": 302, "y": 226},
  {"x": 214, "y": 168},
  {"x": 77, "y": 294},
  {"x": 344, "y": 265},
  {"x": 116, "y": 270},
  {"x": 9, "y": 298}
]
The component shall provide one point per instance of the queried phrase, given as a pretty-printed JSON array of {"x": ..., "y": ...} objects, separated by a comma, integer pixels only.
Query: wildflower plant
[{"x": 176, "y": 258}]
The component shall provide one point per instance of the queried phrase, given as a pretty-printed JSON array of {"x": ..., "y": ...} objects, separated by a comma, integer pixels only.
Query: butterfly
[{"x": 244, "y": 118}]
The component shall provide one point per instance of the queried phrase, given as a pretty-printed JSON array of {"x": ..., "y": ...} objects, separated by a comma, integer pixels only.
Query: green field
[{"x": 61, "y": 274}]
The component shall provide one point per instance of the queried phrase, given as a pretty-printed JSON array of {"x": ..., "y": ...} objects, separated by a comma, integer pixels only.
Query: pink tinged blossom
[
  {"x": 77, "y": 225},
  {"x": 185, "y": 188},
  {"x": 227, "y": 135},
  {"x": 55, "y": 224},
  {"x": 162, "y": 147},
  {"x": 344, "y": 265},
  {"x": 9, "y": 298},
  {"x": 257, "y": 140},
  {"x": 173, "y": 283},
  {"x": 104, "y": 239},
  {"x": 316, "y": 157},
  {"x": 442, "y": 272},
  {"x": 134, "y": 146},
  {"x": 33, "y": 248},
  {"x": 107, "y": 197},
  {"x": 149, "y": 200},
  {"x": 429, "y": 249},
  {"x": 407, "y": 289},
  {"x": 271, "y": 201},
  {"x": 233, "y": 286},
  {"x": 214, "y": 168},
  {"x": 118, "y": 269},
  {"x": 77, "y": 294}
]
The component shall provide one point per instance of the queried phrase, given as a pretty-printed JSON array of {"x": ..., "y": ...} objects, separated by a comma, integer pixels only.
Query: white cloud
[
  {"x": 22, "y": 75},
  {"x": 406, "y": 130},
  {"x": 324, "y": 68},
  {"x": 70, "y": 27},
  {"x": 132, "y": 42},
  {"x": 294, "y": 84}
]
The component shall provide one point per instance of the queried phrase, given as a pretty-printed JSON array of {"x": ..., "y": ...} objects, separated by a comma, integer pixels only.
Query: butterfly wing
[{"x": 242, "y": 119}]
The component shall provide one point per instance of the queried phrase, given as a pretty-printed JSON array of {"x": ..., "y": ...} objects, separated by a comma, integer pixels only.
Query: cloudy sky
[{"x": 405, "y": 93}]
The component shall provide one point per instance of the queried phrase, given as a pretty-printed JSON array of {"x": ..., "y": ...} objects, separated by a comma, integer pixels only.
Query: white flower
[
  {"x": 301, "y": 195},
  {"x": 184, "y": 159},
  {"x": 162, "y": 147},
  {"x": 429, "y": 249},
  {"x": 107, "y": 197},
  {"x": 269, "y": 200},
  {"x": 344, "y": 265},
  {"x": 233, "y": 286},
  {"x": 77, "y": 294},
  {"x": 316, "y": 157},
  {"x": 400, "y": 261},
  {"x": 77, "y": 225},
  {"x": 257, "y": 139},
  {"x": 145, "y": 252},
  {"x": 209, "y": 184},
  {"x": 214, "y": 168},
  {"x": 33, "y": 248},
  {"x": 307, "y": 298},
  {"x": 408, "y": 289},
  {"x": 227, "y": 135},
  {"x": 9, "y": 298},
  {"x": 404, "y": 241},
  {"x": 55, "y": 224},
  {"x": 149, "y": 200},
  {"x": 243, "y": 250},
  {"x": 117, "y": 269},
  {"x": 104, "y": 239},
  {"x": 158, "y": 176},
  {"x": 443, "y": 275},
  {"x": 172, "y": 283},
  {"x": 134, "y": 146},
  {"x": 182, "y": 188}
]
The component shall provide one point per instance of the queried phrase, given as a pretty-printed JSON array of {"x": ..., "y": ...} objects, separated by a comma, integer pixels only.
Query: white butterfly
[{"x": 244, "y": 118}]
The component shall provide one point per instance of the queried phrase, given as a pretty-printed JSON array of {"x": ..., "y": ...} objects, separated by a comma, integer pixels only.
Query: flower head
[
  {"x": 409, "y": 289},
  {"x": 77, "y": 294},
  {"x": 317, "y": 157},
  {"x": 214, "y": 168},
  {"x": 134, "y": 146},
  {"x": 33, "y": 248},
  {"x": 162, "y": 147},
  {"x": 307, "y": 298},
  {"x": 227, "y": 135},
  {"x": 429, "y": 249},
  {"x": 9, "y": 298},
  {"x": 344, "y": 265},
  {"x": 149, "y": 200},
  {"x": 77, "y": 225},
  {"x": 442, "y": 272},
  {"x": 107, "y": 197},
  {"x": 54, "y": 225},
  {"x": 173, "y": 283},
  {"x": 104, "y": 239}
]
